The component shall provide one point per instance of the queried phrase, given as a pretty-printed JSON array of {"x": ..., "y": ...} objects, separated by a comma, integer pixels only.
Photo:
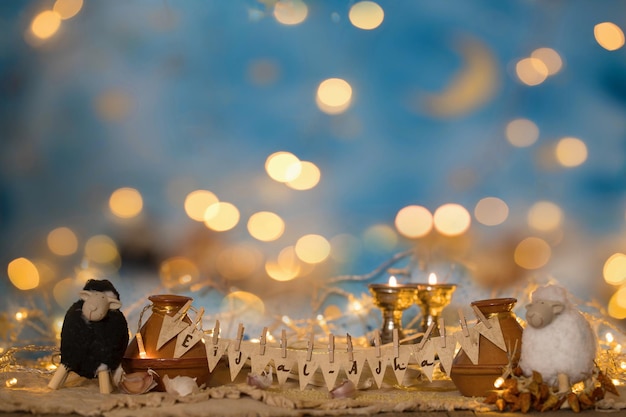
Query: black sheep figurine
[{"x": 94, "y": 336}]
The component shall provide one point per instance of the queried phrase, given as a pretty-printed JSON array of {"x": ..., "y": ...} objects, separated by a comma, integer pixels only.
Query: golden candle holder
[
  {"x": 392, "y": 300},
  {"x": 432, "y": 299}
]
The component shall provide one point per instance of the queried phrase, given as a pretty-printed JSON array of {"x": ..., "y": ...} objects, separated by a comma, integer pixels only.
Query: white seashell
[
  {"x": 344, "y": 390},
  {"x": 137, "y": 382},
  {"x": 180, "y": 385},
  {"x": 262, "y": 381}
]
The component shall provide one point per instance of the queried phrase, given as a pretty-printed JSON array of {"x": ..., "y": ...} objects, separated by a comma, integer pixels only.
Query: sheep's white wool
[{"x": 565, "y": 346}]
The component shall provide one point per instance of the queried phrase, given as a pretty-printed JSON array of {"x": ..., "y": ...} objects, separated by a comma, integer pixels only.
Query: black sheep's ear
[
  {"x": 114, "y": 303},
  {"x": 84, "y": 294}
]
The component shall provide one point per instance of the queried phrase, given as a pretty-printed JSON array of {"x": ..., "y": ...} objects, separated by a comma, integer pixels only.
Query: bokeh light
[
  {"x": 308, "y": 178},
  {"x": 344, "y": 247},
  {"x": 290, "y": 12},
  {"x": 66, "y": 292},
  {"x": 114, "y": 105},
  {"x": 571, "y": 152},
  {"x": 531, "y": 71},
  {"x": 239, "y": 262},
  {"x": 532, "y": 253},
  {"x": 452, "y": 219},
  {"x": 45, "y": 24},
  {"x": 244, "y": 307},
  {"x": 221, "y": 216},
  {"x": 178, "y": 271},
  {"x": 609, "y": 35},
  {"x": 23, "y": 274},
  {"x": 522, "y": 132},
  {"x": 283, "y": 166},
  {"x": 197, "y": 202},
  {"x": 334, "y": 96},
  {"x": 286, "y": 267},
  {"x": 414, "y": 221},
  {"x": 312, "y": 248},
  {"x": 491, "y": 211},
  {"x": 62, "y": 241},
  {"x": 67, "y": 8},
  {"x": 101, "y": 249},
  {"x": 550, "y": 58},
  {"x": 366, "y": 15},
  {"x": 617, "y": 304},
  {"x": 614, "y": 270},
  {"x": 126, "y": 202},
  {"x": 266, "y": 226},
  {"x": 545, "y": 216},
  {"x": 380, "y": 237}
]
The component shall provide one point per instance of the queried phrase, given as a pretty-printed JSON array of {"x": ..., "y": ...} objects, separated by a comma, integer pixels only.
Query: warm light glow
[
  {"x": 609, "y": 337},
  {"x": 380, "y": 237},
  {"x": 551, "y": 59},
  {"x": 522, "y": 132},
  {"x": 23, "y": 274},
  {"x": 286, "y": 267},
  {"x": 617, "y": 304},
  {"x": 414, "y": 221},
  {"x": 366, "y": 15},
  {"x": 393, "y": 282},
  {"x": 531, "y": 71},
  {"x": 571, "y": 152},
  {"x": 308, "y": 178},
  {"x": 432, "y": 278},
  {"x": 451, "y": 219},
  {"x": 65, "y": 292},
  {"x": 67, "y": 8},
  {"x": 126, "y": 203},
  {"x": 545, "y": 216},
  {"x": 197, "y": 202},
  {"x": 344, "y": 247},
  {"x": 614, "y": 270},
  {"x": 178, "y": 271},
  {"x": 46, "y": 24},
  {"x": 244, "y": 306},
  {"x": 62, "y": 241},
  {"x": 334, "y": 96},
  {"x": 283, "y": 166},
  {"x": 491, "y": 211},
  {"x": 609, "y": 36},
  {"x": 221, "y": 216},
  {"x": 532, "y": 253},
  {"x": 11, "y": 382},
  {"x": 266, "y": 226},
  {"x": 312, "y": 249},
  {"x": 114, "y": 105},
  {"x": 498, "y": 382},
  {"x": 101, "y": 249},
  {"x": 290, "y": 12},
  {"x": 21, "y": 315}
]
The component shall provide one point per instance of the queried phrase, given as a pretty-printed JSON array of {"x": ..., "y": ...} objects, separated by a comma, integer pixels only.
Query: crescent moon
[{"x": 472, "y": 87}]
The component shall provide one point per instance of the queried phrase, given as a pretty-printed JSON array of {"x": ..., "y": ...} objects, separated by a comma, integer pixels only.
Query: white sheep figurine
[{"x": 558, "y": 341}]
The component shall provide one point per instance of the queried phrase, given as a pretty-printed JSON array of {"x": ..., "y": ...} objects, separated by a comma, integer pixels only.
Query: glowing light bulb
[
  {"x": 432, "y": 279},
  {"x": 393, "y": 282},
  {"x": 498, "y": 382}
]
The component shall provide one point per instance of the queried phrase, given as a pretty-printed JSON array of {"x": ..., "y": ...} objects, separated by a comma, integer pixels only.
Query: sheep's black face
[{"x": 541, "y": 313}]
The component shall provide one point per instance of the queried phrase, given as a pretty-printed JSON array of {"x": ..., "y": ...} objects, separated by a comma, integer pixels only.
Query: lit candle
[
  {"x": 393, "y": 282},
  {"x": 432, "y": 279},
  {"x": 432, "y": 299}
]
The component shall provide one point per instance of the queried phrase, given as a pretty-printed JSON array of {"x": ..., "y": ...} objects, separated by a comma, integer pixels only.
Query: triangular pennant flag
[
  {"x": 445, "y": 350},
  {"x": 237, "y": 358},
  {"x": 259, "y": 362},
  {"x": 425, "y": 356},
  {"x": 400, "y": 363},
  {"x": 469, "y": 343},
  {"x": 214, "y": 352},
  {"x": 493, "y": 334},
  {"x": 172, "y": 325},
  {"x": 378, "y": 364},
  {"x": 283, "y": 366},
  {"x": 306, "y": 369},
  {"x": 354, "y": 368},
  {"x": 186, "y": 340},
  {"x": 330, "y": 370}
]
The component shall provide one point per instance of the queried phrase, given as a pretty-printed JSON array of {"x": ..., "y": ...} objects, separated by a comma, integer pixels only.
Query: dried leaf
[
  {"x": 573, "y": 402},
  {"x": 491, "y": 398},
  {"x": 533, "y": 388},
  {"x": 597, "y": 394},
  {"x": 550, "y": 403},
  {"x": 509, "y": 384},
  {"x": 500, "y": 404},
  {"x": 607, "y": 383},
  {"x": 517, "y": 371},
  {"x": 537, "y": 377},
  {"x": 509, "y": 398},
  {"x": 524, "y": 398},
  {"x": 544, "y": 392},
  {"x": 585, "y": 400}
]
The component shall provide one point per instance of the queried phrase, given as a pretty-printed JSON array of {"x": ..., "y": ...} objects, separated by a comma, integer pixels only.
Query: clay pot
[
  {"x": 476, "y": 380},
  {"x": 192, "y": 364}
]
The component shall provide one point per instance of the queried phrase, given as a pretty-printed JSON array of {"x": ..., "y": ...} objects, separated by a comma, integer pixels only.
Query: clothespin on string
[
  {"x": 216, "y": 332},
  {"x": 377, "y": 342},
  {"x": 350, "y": 347},
  {"x": 331, "y": 348},
  {"x": 442, "y": 332},
  {"x": 309, "y": 348},
  {"x": 481, "y": 316},
  {"x": 426, "y": 335},
  {"x": 396, "y": 343},
  {"x": 263, "y": 341},
  {"x": 239, "y": 337},
  {"x": 283, "y": 342},
  {"x": 463, "y": 323}
]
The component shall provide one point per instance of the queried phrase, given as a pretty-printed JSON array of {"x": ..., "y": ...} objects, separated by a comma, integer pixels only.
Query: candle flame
[
  {"x": 432, "y": 279},
  {"x": 393, "y": 281}
]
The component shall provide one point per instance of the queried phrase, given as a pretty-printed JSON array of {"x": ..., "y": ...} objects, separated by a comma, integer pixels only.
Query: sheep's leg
[
  {"x": 563, "y": 382},
  {"x": 104, "y": 379},
  {"x": 59, "y": 377}
]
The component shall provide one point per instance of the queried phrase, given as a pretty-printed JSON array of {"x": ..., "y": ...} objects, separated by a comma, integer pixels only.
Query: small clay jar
[
  {"x": 476, "y": 380},
  {"x": 193, "y": 363}
]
